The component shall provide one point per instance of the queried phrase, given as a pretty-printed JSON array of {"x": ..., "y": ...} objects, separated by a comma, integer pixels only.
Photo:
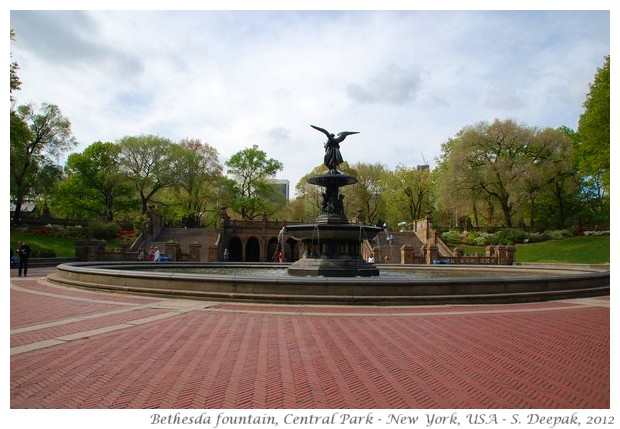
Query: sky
[{"x": 406, "y": 80}]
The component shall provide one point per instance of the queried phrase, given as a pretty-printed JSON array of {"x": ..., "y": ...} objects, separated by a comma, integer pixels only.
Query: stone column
[
  {"x": 81, "y": 250},
  {"x": 491, "y": 250},
  {"x": 510, "y": 255},
  {"x": 501, "y": 254},
  {"x": 212, "y": 253},
  {"x": 194, "y": 252},
  {"x": 458, "y": 254},
  {"x": 171, "y": 248},
  {"x": 432, "y": 253},
  {"x": 406, "y": 254}
]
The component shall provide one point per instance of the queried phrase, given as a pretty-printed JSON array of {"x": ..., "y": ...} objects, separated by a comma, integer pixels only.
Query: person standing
[{"x": 23, "y": 252}]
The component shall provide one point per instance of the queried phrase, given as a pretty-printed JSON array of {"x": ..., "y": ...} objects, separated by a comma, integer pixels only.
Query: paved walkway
[{"x": 73, "y": 348}]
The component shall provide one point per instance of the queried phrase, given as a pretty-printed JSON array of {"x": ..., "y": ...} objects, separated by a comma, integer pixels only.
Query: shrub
[
  {"x": 451, "y": 237},
  {"x": 104, "y": 231},
  {"x": 508, "y": 236},
  {"x": 43, "y": 253},
  {"x": 558, "y": 234}
]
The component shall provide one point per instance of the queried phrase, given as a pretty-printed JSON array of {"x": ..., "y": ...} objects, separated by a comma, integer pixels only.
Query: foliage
[
  {"x": 199, "y": 181},
  {"x": 150, "y": 163},
  {"x": 38, "y": 137},
  {"x": 94, "y": 187},
  {"x": 250, "y": 192},
  {"x": 15, "y": 82},
  {"x": 367, "y": 194},
  {"x": 104, "y": 231},
  {"x": 504, "y": 236},
  {"x": 502, "y": 166},
  {"x": 594, "y": 129},
  {"x": 407, "y": 192}
]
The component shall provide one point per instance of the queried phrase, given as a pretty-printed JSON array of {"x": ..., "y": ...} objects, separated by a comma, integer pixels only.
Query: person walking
[{"x": 23, "y": 252}]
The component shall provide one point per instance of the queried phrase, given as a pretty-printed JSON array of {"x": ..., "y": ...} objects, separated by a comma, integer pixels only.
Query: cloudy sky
[{"x": 406, "y": 80}]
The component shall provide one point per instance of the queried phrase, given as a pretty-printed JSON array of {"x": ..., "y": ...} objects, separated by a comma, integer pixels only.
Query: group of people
[
  {"x": 154, "y": 255},
  {"x": 23, "y": 255}
]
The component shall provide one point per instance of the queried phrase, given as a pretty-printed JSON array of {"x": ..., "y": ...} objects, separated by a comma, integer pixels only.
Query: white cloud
[{"x": 406, "y": 80}]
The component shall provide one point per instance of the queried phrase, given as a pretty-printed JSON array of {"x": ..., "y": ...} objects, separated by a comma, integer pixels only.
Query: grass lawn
[
  {"x": 62, "y": 247},
  {"x": 574, "y": 250}
]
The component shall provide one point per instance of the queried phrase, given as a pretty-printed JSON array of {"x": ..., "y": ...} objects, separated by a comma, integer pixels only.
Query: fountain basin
[
  {"x": 524, "y": 284},
  {"x": 325, "y": 231},
  {"x": 332, "y": 250}
]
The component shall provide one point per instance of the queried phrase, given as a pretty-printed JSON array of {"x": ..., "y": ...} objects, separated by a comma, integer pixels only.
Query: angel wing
[
  {"x": 347, "y": 133},
  {"x": 327, "y": 133}
]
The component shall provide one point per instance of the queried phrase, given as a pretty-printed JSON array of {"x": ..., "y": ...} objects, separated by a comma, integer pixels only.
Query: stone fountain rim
[{"x": 566, "y": 281}]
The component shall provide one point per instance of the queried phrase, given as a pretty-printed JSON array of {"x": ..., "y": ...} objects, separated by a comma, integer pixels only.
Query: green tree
[
  {"x": 408, "y": 193},
  {"x": 549, "y": 180},
  {"x": 367, "y": 194},
  {"x": 250, "y": 193},
  {"x": 37, "y": 138},
  {"x": 151, "y": 164},
  {"x": 199, "y": 177},
  {"x": 502, "y": 163},
  {"x": 95, "y": 188},
  {"x": 594, "y": 129},
  {"x": 15, "y": 82}
]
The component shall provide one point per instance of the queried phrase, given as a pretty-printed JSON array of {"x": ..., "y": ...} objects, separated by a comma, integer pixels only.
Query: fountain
[
  {"x": 331, "y": 247},
  {"x": 332, "y": 271}
]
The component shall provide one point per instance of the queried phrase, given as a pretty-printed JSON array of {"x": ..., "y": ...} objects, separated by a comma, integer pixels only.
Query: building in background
[{"x": 282, "y": 188}]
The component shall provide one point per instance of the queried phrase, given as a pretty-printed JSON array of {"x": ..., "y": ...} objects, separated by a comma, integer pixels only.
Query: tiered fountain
[{"x": 331, "y": 247}]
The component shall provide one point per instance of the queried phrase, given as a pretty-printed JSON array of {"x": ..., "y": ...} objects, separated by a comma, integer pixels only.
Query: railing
[{"x": 468, "y": 260}]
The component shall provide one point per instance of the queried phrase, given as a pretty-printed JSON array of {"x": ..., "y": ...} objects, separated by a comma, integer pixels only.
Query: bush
[
  {"x": 451, "y": 237},
  {"x": 104, "y": 231},
  {"x": 43, "y": 253},
  {"x": 509, "y": 236},
  {"x": 475, "y": 238}
]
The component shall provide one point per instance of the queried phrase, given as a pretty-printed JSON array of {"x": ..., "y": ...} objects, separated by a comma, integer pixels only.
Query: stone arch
[
  {"x": 291, "y": 249},
  {"x": 235, "y": 250},
  {"x": 252, "y": 250},
  {"x": 272, "y": 248}
]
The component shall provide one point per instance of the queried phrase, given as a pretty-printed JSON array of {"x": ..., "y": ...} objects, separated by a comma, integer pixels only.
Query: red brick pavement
[{"x": 83, "y": 349}]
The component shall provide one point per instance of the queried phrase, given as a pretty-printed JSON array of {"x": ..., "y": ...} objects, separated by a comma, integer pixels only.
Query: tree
[
  {"x": 36, "y": 139},
  {"x": 250, "y": 169},
  {"x": 15, "y": 82},
  {"x": 594, "y": 129},
  {"x": 95, "y": 187},
  {"x": 407, "y": 193},
  {"x": 502, "y": 163},
  {"x": 151, "y": 164},
  {"x": 199, "y": 177},
  {"x": 548, "y": 181},
  {"x": 367, "y": 194}
]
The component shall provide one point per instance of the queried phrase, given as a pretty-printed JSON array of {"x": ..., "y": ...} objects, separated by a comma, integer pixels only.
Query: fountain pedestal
[{"x": 331, "y": 247}]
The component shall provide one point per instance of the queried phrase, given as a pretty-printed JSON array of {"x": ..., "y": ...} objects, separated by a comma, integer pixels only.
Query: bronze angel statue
[{"x": 333, "y": 157}]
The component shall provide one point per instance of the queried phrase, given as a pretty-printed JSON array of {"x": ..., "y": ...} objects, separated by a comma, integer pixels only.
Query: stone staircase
[
  {"x": 185, "y": 237},
  {"x": 399, "y": 239}
]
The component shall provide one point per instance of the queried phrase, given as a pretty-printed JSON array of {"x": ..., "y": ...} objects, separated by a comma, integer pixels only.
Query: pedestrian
[
  {"x": 141, "y": 254},
  {"x": 280, "y": 257},
  {"x": 226, "y": 255},
  {"x": 23, "y": 253},
  {"x": 386, "y": 259},
  {"x": 157, "y": 255},
  {"x": 371, "y": 260}
]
